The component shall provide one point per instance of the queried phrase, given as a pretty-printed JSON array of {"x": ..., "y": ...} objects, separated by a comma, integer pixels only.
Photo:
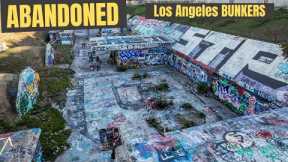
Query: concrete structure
[
  {"x": 21, "y": 146},
  {"x": 256, "y": 66},
  {"x": 49, "y": 55},
  {"x": 232, "y": 66},
  {"x": 118, "y": 43}
]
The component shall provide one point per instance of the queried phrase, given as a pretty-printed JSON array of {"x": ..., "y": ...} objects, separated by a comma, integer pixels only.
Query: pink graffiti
[{"x": 163, "y": 142}]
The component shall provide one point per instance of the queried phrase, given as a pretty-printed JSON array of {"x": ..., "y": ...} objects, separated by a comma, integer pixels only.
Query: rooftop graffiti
[
  {"x": 245, "y": 61},
  {"x": 111, "y": 43}
]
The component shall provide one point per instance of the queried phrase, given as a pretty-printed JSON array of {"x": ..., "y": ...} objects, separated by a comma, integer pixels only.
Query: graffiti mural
[
  {"x": 260, "y": 145},
  {"x": 194, "y": 72},
  {"x": 162, "y": 148},
  {"x": 27, "y": 91},
  {"x": 110, "y": 138},
  {"x": 151, "y": 56},
  {"x": 21, "y": 146},
  {"x": 128, "y": 54},
  {"x": 256, "y": 87},
  {"x": 143, "y": 151},
  {"x": 233, "y": 95},
  {"x": 282, "y": 71}
]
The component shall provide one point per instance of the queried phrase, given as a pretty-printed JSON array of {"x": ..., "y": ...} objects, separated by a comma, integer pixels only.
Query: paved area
[{"x": 106, "y": 98}]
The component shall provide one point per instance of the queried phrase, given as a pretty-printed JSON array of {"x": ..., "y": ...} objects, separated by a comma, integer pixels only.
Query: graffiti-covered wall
[
  {"x": 151, "y": 56},
  {"x": 194, "y": 72},
  {"x": 237, "y": 97},
  {"x": 27, "y": 90}
]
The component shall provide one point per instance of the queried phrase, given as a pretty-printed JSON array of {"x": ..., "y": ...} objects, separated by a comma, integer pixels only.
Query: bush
[
  {"x": 54, "y": 84},
  {"x": 162, "y": 87},
  {"x": 6, "y": 127},
  {"x": 202, "y": 88},
  {"x": 63, "y": 54},
  {"x": 187, "y": 106},
  {"x": 201, "y": 115},
  {"x": 185, "y": 123},
  {"x": 54, "y": 135},
  {"x": 155, "y": 123},
  {"x": 136, "y": 76},
  {"x": 122, "y": 68},
  {"x": 162, "y": 103}
]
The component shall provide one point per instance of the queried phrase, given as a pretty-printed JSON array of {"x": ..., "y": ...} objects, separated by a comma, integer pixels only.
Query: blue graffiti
[{"x": 128, "y": 54}]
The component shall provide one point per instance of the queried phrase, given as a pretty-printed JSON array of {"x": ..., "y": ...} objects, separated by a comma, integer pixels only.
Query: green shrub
[
  {"x": 122, "y": 68},
  {"x": 185, "y": 123},
  {"x": 136, "y": 76},
  {"x": 202, "y": 88},
  {"x": 162, "y": 87},
  {"x": 155, "y": 123},
  {"x": 162, "y": 103},
  {"x": 187, "y": 106},
  {"x": 201, "y": 115},
  {"x": 54, "y": 135},
  {"x": 6, "y": 127},
  {"x": 63, "y": 54}
]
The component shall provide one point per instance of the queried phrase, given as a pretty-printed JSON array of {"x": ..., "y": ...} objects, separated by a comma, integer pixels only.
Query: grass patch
[
  {"x": 54, "y": 135},
  {"x": 14, "y": 60},
  {"x": 186, "y": 123},
  {"x": 155, "y": 123},
  {"x": 63, "y": 54},
  {"x": 136, "y": 10},
  {"x": 138, "y": 76},
  {"x": 163, "y": 87},
  {"x": 54, "y": 84},
  {"x": 196, "y": 119},
  {"x": 161, "y": 103},
  {"x": 187, "y": 106},
  {"x": 202, "y": 88}
]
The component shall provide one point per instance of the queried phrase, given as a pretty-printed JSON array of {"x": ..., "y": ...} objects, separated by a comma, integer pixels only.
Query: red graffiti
[{"x": 264, "y": 134}]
